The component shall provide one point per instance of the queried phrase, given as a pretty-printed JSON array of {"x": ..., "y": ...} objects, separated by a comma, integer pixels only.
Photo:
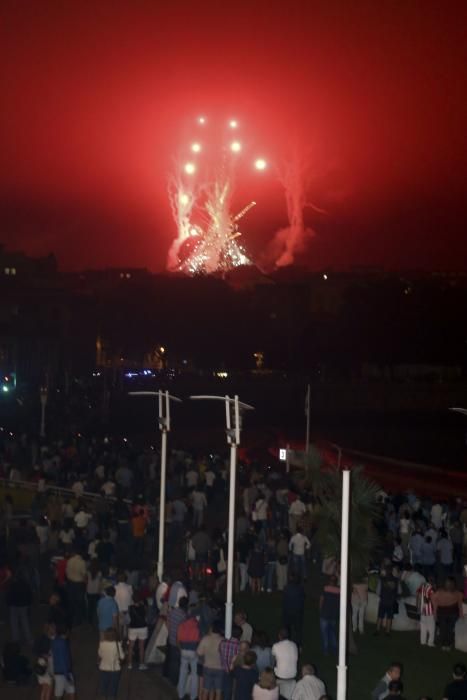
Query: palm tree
[{"x": 326, "y": 483}]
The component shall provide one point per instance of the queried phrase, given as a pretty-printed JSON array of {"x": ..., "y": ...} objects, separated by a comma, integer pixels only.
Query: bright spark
[
  {"x": 190, "y": 168},
  {"x": 184, "y": 198},
  {"x": 260, "y": 164},
  {"x": 233, "y": 123},
  {"x": 235, "y": 146},
  {"x": 196, "y": 147},
  {"x": 201, "y": 120}
]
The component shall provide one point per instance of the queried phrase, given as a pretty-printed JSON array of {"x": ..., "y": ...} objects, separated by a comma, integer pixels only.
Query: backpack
[{"x": 188, "y": 631}]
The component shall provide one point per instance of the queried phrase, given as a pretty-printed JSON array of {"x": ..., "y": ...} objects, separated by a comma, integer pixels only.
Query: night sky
[{"x": 98, "y": 97}]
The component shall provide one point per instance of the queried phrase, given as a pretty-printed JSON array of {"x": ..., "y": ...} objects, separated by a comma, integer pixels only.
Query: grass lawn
[{"x": 426, "y": 671}]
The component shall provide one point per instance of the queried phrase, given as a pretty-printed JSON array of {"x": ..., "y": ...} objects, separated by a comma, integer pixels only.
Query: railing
[{"x": 53, "y": 489}]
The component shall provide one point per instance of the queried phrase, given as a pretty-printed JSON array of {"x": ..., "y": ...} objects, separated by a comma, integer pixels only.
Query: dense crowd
[{"x": 89, "y": 552}]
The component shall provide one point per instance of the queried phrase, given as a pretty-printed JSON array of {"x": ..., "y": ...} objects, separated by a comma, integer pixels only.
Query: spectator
[
  {"x": 247, "y": 630},
  {"x": 262, "y": 650},
  {"x": 188, "y": 638},
  {"x": 245, "y": 677},
  {"x": 137, "y": 630},
  {"x": 19, "y": 600},
  {"x": 199, "y": 501},
  {"x": 393, "y": 673},
  {"x": 208, "y": 651},
  {"x": 176, "y": 616},
  {"x": 256, "y": 567},
  {"x": 447, "y": 603},
  {"x": 427, "y": 613},
  {"x": 76, "y": 574},
  {"x": 329, "y": 614},
  {"x": 293, "y": 609},
  {"x": 93, "y": 590},
  {"x": 228, "y": 651},
  {"x": 285, "y": 654},
  {"x": 64, "y": 682},
  {"x": 457, "y": 688},
  {"x": 309, "y": 687},
  {"x": 297, "y": 510},
  {"x": 123, "y": 598},
  {"x": 299, "y": 544},
  {"x": 110, "y": 653},
  {"x": 359, "y": 602},
  {"x": 388, "y": 589},
  {"x": 266, "y": 687},
  {"x": 282, "y": 561},
  {"x": 107, "y": 611}
]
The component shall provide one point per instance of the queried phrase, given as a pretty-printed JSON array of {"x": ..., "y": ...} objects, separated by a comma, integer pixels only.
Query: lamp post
[
  {"x": 233, "y": 427},
  {"x": 164, "y": 426},
  {"x": 44, "y": 394},
  {"x": 344, "y": 584}
]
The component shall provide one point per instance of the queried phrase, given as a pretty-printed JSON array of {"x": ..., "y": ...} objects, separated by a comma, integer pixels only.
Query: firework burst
[{"x": 201, "y": 196}]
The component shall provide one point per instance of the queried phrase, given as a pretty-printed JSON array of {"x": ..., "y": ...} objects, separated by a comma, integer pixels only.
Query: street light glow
[
  {"x": 260, "y": 164},
  {"x": 196, "y": 147},
  {"x": 235, "y": 146},
  {"x": 201, "y": 120},
  {"x": 233, "y": 123}
]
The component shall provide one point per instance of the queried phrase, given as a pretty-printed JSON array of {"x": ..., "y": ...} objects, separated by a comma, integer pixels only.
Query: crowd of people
[{"x": 86, "y": 546}]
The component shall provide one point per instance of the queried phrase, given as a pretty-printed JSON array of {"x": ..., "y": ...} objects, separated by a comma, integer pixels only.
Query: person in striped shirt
[{"x": 427, "y": 612}]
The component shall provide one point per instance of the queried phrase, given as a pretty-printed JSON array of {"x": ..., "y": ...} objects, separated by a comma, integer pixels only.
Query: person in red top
[{"x": 138, "y": 528}]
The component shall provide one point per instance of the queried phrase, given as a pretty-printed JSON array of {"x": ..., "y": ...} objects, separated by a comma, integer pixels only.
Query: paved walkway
[{"x": 134, "y": 684}]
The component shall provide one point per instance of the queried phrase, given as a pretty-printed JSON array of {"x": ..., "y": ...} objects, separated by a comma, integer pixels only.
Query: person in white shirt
[
  {"x": 285, "y": 654},
  {"x": 123, "y": 598},
  {"x": 296, "y": 511},
  {"x": 82, "y": 518},
  {"x": 298, "y": 545},
  {"x": 309, "y": 687}
]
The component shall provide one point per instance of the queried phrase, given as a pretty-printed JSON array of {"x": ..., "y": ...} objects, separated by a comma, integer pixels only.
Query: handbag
[{"x": 122, "y": 659}]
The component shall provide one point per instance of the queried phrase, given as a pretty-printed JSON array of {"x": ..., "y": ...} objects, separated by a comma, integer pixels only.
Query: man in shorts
[
  {"x": 61, "y": 658},
  {"x": 137, "y": 630},
  {"x": 388, "y": 591},
  {"x": 208, "y": 651}
]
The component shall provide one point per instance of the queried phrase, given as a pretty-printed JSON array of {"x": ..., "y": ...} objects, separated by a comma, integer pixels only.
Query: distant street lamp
[
  {"x": 44, "y": 395},
  {"x": 164, "y": 426},
  {"x": 233, "y": 427}
]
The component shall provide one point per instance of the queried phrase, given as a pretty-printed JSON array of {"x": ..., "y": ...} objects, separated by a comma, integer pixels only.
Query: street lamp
[
  {"x": 164, "y": 426},
  {"x": 341, "y": 664},
  {"x": 233, "y": 427},
  {"x": 44, "y": 393}
]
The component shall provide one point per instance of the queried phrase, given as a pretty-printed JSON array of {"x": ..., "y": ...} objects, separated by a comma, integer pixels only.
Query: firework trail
[
  {"x": 295, "y": 178},
  {"x": 182, "y": 200}
]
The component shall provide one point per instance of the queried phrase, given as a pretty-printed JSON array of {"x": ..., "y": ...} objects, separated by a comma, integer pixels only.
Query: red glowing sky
[{"x": 96, "y": 97}]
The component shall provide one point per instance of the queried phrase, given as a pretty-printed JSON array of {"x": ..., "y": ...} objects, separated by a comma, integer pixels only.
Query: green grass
[{"x": 426, "y": 671}]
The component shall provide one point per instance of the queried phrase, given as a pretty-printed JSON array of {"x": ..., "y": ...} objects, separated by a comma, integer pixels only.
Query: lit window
[
  {"x": 13, "y": 271},
  {"x": 7, "y": 271},
  {"x": 128, "y": 275},
  {"x": 122, "y": 275}
]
